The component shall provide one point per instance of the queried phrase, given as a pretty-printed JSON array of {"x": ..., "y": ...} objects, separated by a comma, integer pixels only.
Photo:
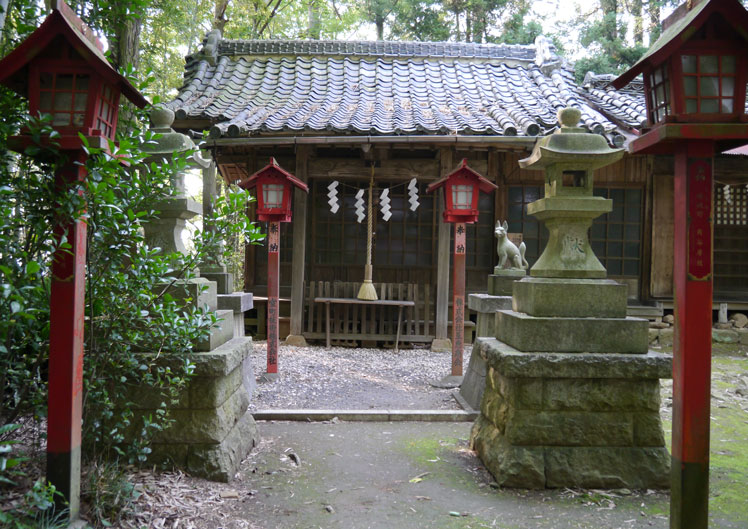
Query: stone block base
[
  {"x": 537, "y": 467},
  {"x": 570, "y": 298},
  {"x": 474, "y": 381},
  {"x": 608, "y": 335},
  {"x": 571, "y": 420},
  {"x": 224, "y": 280},
  {"x": 213, "y": 429}
]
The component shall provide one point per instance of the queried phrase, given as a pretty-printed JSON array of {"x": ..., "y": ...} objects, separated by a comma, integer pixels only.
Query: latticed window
[
  {"x": 730, "y": 236},
  {"x": 462, "y": 196},
  {"x": 615, "y": 237},
  {"x": 709, "y": 83},
  {"x": 732, "y": 211},
  {"x": 64, "y": 96},
  {"x": 659, "y": 94},
  {"x": 272, "y": 194},
  {"x": 107, "y": 112},
  {"x": 534, "y": 234}
]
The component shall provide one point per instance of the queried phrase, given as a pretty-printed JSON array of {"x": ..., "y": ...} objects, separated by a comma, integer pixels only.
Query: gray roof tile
[{"x": 250, "y": 87}]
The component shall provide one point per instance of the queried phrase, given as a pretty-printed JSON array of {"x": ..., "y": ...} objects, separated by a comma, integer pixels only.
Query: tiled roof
[
  {"x": 245, "y": 88},
  {"x": 625, "y": 107}
]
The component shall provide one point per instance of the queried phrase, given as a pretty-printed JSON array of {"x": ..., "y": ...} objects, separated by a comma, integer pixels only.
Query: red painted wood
[
  {"x": 273, "y": 276},
  {"x": 66, "y": 329},
  {"x": 692, "y": 276},
  {"x": 458, "y": 298}
]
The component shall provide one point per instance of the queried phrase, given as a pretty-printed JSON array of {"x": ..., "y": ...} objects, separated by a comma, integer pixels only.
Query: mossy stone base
[
  {"x": 561, "y": 420},
  {"x": 594, "y": 335},
  {"x": 570, "y": 298},
  {"x": 213, "y": 429},
  {"x": 220, "y": 333}
]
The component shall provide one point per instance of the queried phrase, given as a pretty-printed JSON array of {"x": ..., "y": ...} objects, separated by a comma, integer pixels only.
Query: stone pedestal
[
  {"x": 238, "y": 303},
  {"x": 501, "y": 282},
  {"x": 213, "y": 429},
  {"x": 588, "y": 419},
  {"x": 582, "y": 420}
]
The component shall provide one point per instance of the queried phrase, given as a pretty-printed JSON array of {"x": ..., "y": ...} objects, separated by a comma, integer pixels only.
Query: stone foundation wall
[
  {"x": 561, "y": 420},
  {"x": 213, "y": 429}
]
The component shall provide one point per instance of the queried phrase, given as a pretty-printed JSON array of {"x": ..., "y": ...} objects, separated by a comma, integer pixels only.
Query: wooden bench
[
  {"x": 355, "y": 301},
  {"x": 356, "y": 322}
]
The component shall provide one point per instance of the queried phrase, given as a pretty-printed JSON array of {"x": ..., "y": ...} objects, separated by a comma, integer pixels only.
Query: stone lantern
[
  {"x": 571, "y": 396},
  {"x": 568, "y": 208}
]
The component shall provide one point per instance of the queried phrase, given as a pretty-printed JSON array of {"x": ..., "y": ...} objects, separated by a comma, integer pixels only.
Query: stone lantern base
[{"x": 572, "y": 396}]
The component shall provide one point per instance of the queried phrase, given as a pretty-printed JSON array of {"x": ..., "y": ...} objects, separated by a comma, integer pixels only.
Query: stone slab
[
  {"x": 725, "y": 336},
  {"x": 594, "y": 335},
  {"x": 236, "y": 301},
  {"x": 570, "y": 298},
  {"x": 513, "y": 363},
  {"x": 212, "y": 392},
  {"x": 224, "y": 281},
  {"x": 198, "y": 291},
  {"x": 487, "y": 303},
  {"x": 220, "y": 333}
]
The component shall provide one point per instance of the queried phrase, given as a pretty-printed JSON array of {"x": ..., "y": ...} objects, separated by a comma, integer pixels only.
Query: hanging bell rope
[{"x": 367, "y": 290}]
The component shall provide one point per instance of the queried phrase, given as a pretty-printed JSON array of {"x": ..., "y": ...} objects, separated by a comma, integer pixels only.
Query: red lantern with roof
[
  {"x": 275, "y": 189},
  {"x": 62, "y": 70},
  {"x": 461, "y": 189}
]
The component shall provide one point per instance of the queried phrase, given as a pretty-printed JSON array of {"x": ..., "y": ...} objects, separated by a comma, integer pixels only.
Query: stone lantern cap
[
  {"x": 169, "y": 140},
  {"x": 571, "y": 146}
]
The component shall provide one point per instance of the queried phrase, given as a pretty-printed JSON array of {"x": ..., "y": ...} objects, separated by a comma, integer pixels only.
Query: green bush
[{"x": 129, "y": 303}]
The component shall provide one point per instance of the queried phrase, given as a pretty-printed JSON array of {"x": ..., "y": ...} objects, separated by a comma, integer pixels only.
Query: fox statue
[{"x": 508, "y": 250}]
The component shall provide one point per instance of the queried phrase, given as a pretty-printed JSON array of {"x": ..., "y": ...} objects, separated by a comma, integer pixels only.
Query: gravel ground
[{"x": 348, "y": 378}]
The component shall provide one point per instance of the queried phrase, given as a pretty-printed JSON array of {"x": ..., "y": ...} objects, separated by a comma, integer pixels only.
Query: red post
[
  {"x": 692, "y": 277},
  {"x": 273, "y": 274},
  {"x": 66, "y": 337},
  {"x": 458, "y": 299}
]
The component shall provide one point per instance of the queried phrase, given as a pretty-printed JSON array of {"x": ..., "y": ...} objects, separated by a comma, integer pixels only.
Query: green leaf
[{"x": 32, "y": 267}]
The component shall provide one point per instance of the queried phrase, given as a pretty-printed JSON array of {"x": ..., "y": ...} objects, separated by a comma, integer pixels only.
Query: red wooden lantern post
[
  {"x": 461, "y": 188},
  {"x": 695, "y": 80},
  {"x": 62, "y": 71},
  {"x": 274, "y": 206}
]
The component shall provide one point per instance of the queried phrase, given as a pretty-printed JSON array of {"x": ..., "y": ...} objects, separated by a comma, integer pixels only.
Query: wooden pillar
[
  {"x": 298, "y": 258},
  {"x": 692, "y": 278},
  {"x": 458, "y": 298},
  {"x": 273, "y": 280},
  {"x": 66, "y": 336},
  {"x": 441, "y": 342}
]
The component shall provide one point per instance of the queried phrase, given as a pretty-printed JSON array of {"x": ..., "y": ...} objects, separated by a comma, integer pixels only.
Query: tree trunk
[
  {"x": 654, "y": 21},
  {"x": 610, "y": 9},
  {"x": 219, "y": 15},
  {"x": 468, "y": 26},
  {"x": 127, "y": 43},
  {"x": 314, "y": 22},
  {"x": 636, "y": 12},
  {"x": 3, "y": 12},
  {"x": 379, "y": 21}
]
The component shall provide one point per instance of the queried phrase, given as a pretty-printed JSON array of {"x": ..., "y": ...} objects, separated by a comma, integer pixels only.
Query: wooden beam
[
  {"x": 299, "y": 247},
  {"x": 443, "y": 249},
  {"x": 393, "y": 169}
]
